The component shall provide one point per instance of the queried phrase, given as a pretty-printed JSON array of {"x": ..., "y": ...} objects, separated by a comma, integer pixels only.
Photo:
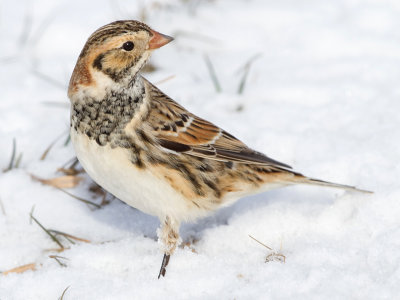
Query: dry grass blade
[
  {"x": 274, "y": 256},
  {"x": 62, "y": 295},
  {"x": 212, "y": 73},
  {"x": 26, "y": 28},
  {"x": 81, "y": 199},
  {"x": 62, "y": 182},
  {"x": 44, "y": 155},
  {"x": 260, "y": 243},
  {"x": 67, "y": 141},
  {"x": 58, "y": 256},
  {"x": 59, "y": 250},
  {"x": 54, "y": 238},
  {"x": 71, "y": 163},
  {"x": 165, "y": 79},
  {"x": 246, "y": 69},
  {"x": 21, "y": 269},
  {"x": 70, "y": 236},
  {"x": 11, "y": 163},
  {"x": 18, "y": 161},
  {"x": 98, "y": 190},
  {"x": 14, "y": 163},
  {"x": 9, "y": 59},
  {"x": 49, "y": 79},
  {"x": 43, "y": 26},
  {"x": 69, "y": 168},
  {"x": 69, "y": 171},
  {"x": 57, "y": 259},
  {"x": 3, "y": 210}
]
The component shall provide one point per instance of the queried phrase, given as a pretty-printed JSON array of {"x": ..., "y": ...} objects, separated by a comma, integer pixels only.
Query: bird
[{"x": 148, "y": 150}]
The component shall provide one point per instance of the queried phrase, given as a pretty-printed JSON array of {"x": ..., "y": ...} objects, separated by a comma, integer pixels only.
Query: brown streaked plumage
[{"x": 149, "y": 151}]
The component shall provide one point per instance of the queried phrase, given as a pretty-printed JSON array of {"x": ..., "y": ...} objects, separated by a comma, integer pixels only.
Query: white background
[{"x": 323, "y": 96}]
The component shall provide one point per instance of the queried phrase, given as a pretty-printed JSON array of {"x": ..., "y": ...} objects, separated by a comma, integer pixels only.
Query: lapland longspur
[{"x": 150, "y": 152}]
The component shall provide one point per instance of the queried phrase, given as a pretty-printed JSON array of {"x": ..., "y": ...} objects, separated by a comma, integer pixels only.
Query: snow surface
[{"x": 323, "y": 96}]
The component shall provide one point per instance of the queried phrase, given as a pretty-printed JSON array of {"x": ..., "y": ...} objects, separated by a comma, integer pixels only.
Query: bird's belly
[{"x": 112, "y": 169}]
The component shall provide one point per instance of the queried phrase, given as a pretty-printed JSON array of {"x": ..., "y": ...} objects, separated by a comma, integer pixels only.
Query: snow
[{"x": 322, "y": 96}]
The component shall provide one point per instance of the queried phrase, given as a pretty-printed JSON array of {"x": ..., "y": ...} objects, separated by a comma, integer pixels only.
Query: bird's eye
[{"x": 128, "y": 46}]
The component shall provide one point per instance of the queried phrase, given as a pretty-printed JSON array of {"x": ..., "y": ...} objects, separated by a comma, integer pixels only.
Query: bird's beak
[{"x": 158, "y": 40}]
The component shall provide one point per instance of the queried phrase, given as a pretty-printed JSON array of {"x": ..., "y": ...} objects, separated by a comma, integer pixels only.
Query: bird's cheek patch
[
  {"x": 113, "y": 61},
  {"x": 97, "y": 63}
]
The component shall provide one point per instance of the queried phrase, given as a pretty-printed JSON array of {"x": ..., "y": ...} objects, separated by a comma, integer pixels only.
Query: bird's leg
[
  {"x": 164, "y": 265},
  {"x": 168, "y": 235}
]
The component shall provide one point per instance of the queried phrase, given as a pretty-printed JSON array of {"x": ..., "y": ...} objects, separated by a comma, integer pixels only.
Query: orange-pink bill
[{"x": 158, "y": 40}]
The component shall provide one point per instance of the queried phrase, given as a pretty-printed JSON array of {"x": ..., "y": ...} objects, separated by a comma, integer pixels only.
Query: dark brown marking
[
  {"x": 190, "y": 135},
  {"x": 184, "y": 117},
  {"x": 205, "y": 168},
  {"x": 191, "y": 178},
  {"x": 214, "y": 187},
  {"x": 177, "y": 147},
  {"x": 195, "y": 203},
  {"x": 228, "y": 135},
  {"x": 179, "y": 123},
  {"x": 229, "y": 164},
  {"x": 143, "y": 136},
  {"x": 97, "y": 62}
]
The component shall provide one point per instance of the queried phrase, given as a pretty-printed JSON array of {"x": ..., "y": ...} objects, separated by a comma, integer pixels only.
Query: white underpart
[{"x": 142, "y": 189}]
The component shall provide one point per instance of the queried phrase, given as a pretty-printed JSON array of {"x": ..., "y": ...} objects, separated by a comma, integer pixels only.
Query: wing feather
[{"x": 181, "y": 131}]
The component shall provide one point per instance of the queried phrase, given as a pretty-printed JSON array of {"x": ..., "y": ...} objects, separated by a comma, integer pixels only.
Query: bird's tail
[{"x": 313, "y": 181}]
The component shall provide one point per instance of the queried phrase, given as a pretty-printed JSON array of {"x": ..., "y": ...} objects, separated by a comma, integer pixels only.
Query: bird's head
[{"x": 113, "y": 55}]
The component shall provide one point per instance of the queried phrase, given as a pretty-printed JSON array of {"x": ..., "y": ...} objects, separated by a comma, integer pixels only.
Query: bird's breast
[{"x": 141, "y": 187}]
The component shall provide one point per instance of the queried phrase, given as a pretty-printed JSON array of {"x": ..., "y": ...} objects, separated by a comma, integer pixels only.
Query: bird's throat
[{"x": 104, "y": 120}]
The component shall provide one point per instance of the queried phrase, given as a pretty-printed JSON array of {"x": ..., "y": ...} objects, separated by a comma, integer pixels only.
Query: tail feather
[{"x": 313, "y": 181}]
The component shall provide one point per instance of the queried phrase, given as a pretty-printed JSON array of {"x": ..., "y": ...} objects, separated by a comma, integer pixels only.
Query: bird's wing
[{"x": 178, "y": 130}]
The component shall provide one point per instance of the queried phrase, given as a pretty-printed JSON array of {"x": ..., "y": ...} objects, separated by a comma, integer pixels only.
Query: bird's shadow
[{"x": 126, "y": 218}]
